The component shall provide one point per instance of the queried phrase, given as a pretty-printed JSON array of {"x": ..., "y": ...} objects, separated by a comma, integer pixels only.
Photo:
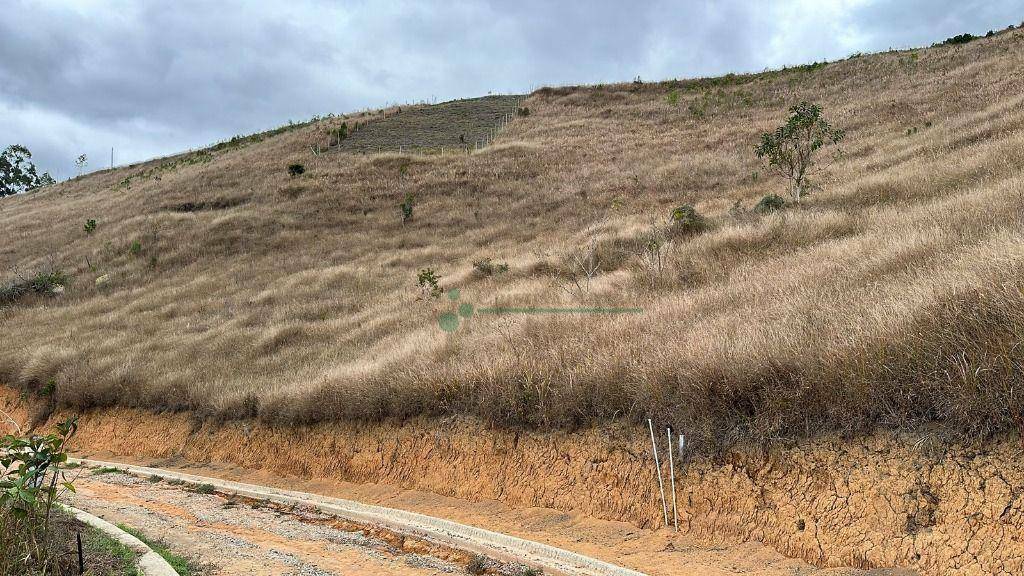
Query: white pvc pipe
[
  {"x": 657, "y": 466},
  {"x": 672, "y": 476}
]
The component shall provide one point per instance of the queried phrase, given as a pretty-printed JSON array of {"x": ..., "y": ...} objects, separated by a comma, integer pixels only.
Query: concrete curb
[
  {"x": 150, "y": 563},
  {"x": 450, "y": 533}
]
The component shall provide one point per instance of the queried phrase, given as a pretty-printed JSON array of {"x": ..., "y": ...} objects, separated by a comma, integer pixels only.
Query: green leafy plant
[
  {"x": 90, "y": 226},
  {"x": 672, "y": 98},
  {"x": 407, "y": 207},
  {"x": 770, "y": 203},
  {"x": 429, "y": 283},
  {"x": 135, "y": 248},
  {"x": 48, "y": 389},
  {"x": 789, "y": 150},
  {"x": 296, "y": 169},
  {"x": 32, "y": 478}
]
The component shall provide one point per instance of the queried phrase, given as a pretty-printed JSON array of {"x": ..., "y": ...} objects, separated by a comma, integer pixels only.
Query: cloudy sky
[{"x": 152, "y": 77}]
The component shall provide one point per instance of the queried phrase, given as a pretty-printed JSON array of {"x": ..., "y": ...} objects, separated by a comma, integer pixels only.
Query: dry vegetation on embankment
[{"x": 892, "y": 297}]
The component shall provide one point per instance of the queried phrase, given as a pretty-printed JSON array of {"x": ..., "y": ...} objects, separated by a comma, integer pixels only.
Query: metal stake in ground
[
  {"x": 657, "y": 467},
  {"x": 672, "y": 478},
  {"x": 81, "y": 560}
]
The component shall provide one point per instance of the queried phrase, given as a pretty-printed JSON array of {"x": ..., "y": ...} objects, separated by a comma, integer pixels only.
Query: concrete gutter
[
  {"x": 453, "y": 534},
  {"x": 150, "y": 563}
]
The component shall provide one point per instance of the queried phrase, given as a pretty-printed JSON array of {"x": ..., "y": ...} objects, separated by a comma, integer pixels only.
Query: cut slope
[
  {"x": 452, "y": 125},
  {"x": 892, "y": 297},
  {"x": 879, "y": 501}
]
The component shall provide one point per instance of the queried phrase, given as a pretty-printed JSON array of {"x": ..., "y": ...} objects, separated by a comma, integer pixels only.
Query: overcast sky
[{"x": 152, "y": 77}]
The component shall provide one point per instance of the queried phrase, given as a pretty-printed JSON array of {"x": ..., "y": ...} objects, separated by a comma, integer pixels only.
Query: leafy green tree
[
  {"x": 18, "y": 173},
  {"x": 789, "y": 150}
]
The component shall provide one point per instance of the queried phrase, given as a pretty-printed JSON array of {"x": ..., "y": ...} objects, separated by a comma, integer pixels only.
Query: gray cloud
[{"x": 159, "y": 76}]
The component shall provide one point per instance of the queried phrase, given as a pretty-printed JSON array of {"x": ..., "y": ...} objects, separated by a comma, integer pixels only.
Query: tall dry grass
[{"x": 892, "y": 297}]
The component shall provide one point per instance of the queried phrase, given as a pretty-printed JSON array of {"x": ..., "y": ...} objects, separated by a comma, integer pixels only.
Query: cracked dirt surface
[{"x": 873, "y": 503}]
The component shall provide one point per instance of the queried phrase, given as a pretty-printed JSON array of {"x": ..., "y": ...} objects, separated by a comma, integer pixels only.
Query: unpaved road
[
  {"x": 232, "y": 538},
  {"x": 245, "y": 537}
]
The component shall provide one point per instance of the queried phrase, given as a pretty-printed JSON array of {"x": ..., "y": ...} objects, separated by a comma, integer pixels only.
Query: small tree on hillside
[
  {"x": 789, "y": 150},
  {"x": 18, "y": 173}
]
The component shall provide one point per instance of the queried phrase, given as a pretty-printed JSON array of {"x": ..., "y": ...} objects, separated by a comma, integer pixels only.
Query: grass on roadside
[
  {"x": 108, "y": 557},
  {"x": 180, "y": 564},
  {"x": 107, "y": 470}
]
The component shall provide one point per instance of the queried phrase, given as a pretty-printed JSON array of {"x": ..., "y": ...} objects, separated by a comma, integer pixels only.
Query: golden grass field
[{"x": 891, "y": 297}]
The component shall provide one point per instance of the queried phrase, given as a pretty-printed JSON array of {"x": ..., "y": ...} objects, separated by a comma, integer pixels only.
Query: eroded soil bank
[{"x": 876, "y": 502}]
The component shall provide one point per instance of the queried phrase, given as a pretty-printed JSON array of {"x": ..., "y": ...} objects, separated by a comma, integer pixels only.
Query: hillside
[{"x": 218, "y": 283}]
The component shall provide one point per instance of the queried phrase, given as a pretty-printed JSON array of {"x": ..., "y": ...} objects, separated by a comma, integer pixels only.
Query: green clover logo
[{"x": 449, "y": 321}]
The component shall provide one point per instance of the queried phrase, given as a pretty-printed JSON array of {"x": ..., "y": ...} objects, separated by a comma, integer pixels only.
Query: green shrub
[
  {"x": 46, "y": 282},
  {"x": 296, "y": 169},
  {"x": 487, "y": 267},
  {"x": 428, "y": 282},
  {"x": 770, "y": 203},
  {"x": 90, "y": 226},
  {"x": 135, "y": 248},
  {"x": 960, "y": 39},
  {"x": 524, "y": 111},
  {"x": 478, "y": 564},
  {"x": 698, "y": 109},
  {"x": 107, "y": 470},
  {"x": 672, "y": 98},
  {"x": 685, "y": 221},
  {"x": 204, "y": 489},
  {"x": 407, "y": 207}
]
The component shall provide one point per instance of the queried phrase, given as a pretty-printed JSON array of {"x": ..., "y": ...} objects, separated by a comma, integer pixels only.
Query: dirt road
[
  {"x": 239, "y": 536},
  {"x": 227, "y": 537}
]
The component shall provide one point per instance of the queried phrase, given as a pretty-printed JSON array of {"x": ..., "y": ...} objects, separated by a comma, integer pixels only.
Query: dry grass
[{"x": 893, "y": 297}]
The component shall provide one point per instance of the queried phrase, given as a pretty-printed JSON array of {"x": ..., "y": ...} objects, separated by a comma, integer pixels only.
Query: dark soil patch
[
  {"x": 454, "y": 124},
  {"x": 217, "y": 204}
]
